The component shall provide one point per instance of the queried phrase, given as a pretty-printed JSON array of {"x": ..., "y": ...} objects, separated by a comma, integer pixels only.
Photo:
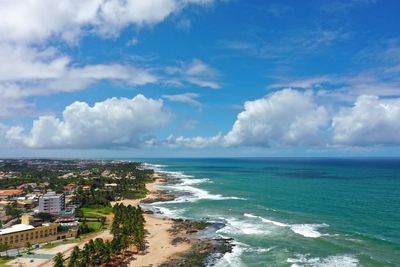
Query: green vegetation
[
  {"x": 58, "y": 260},
  {"x": 4, "y": 260},
  {"x": 95, "y": 212},
  {"x": 11, "y": 209},
  {"x": 128, "y": 225},
  {"x": 127, "y": 228},
  {"x": 131, "y": 179},
  {"x": 96, "y": 184}
]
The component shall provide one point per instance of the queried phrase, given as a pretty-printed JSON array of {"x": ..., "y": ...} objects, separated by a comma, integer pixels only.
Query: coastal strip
[{"x": 173, "y": 242}]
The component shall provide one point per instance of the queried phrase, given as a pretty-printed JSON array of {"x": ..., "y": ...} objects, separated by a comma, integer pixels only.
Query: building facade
[
  {"x": 52, "y": 203},
  {"x": 20, "y": 235}
]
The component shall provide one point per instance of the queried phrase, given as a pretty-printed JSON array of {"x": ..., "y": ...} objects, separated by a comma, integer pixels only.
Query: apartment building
[{"x": 52, "y": 203}]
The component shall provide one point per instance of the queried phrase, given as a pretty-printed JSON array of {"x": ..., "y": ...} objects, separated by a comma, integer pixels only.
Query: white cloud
[
  {"x": 347, "y": 87},
  {"x": 371, "y": 121},
  {"x": 192, "y": 142},
  {"x": 133, "y": 41},
  {"x": 187, "y": 98},
  {"x": 196, "y": 72},
  {"x": 285, "y": 117},
  {"x": 36, "y": 21},
  {"x": 293, "y": 118},
  {"x": 30, "y": 65},
  {"x": 3, "y": 130},
  {"x": 41, "y": 72},
  {"x": 113, "y": 122}
]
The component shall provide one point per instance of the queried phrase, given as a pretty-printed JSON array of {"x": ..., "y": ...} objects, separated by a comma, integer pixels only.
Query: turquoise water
[{"x": 294, "y": 212}]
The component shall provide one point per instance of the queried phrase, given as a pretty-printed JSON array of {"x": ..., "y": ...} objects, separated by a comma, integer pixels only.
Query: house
[
  {"x": 7, "y": 193},
  {"x": 27, "y": 186},
  {"x": 69, "y": 188}
]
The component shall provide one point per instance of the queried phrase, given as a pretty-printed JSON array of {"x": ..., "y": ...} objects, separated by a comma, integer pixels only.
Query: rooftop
[
  {"x": 10, "y": 192},
  {"x": 16, "y": 228}
]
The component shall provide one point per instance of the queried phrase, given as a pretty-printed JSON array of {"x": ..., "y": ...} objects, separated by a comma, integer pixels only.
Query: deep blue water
[{"x": 294, "y": 212}]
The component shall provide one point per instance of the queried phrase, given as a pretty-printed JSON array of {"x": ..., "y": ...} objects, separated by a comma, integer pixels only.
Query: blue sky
[{"x": 199, "y": 78}]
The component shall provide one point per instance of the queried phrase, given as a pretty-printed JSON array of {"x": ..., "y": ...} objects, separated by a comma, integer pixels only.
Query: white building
[{"x": 52, "y": 203}]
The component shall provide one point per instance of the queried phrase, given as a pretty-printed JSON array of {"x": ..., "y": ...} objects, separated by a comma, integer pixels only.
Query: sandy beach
[{"x": 158, "y": 238}]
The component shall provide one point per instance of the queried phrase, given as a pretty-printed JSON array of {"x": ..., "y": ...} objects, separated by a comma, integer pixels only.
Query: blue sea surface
[{"x": 293, "y": 211}]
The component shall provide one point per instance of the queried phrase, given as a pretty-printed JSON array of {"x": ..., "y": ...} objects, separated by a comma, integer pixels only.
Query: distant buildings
[{"x": 52, "y": 203}]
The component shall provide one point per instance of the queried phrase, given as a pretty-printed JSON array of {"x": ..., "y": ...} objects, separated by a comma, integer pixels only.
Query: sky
[{"x": 199, "y": 78}]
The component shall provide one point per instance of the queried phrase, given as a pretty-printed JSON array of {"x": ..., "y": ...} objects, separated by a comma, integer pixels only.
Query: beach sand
[{"x": 159, "y": 247}]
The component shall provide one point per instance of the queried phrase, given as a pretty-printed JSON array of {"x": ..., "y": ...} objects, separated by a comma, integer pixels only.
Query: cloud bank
[
  {"x": 289, "y": 118},
  {"x": 284, "y": 118},
  {"x": 114, "y": 122}
]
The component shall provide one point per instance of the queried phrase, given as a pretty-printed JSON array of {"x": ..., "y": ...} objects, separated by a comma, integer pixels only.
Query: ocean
[{"x": 293, "y": 211}]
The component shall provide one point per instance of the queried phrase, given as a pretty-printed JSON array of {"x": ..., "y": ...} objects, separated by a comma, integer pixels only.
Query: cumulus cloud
[
  {"x": 285, "y": 117},
  {"x": 289, "y": 117},
  {"x": 113, "y": 122},
  {"x": 371, "y": 121},
  {"x": 196, "y": 72}
]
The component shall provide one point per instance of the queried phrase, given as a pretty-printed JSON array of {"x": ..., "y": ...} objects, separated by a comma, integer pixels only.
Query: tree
[
  {"x": 29, "y": 247},
  {"x": 73, "y": 259},
  {"x": 58, "y": 260},
  {"x": 85, "y": 255},
  {"x": 107, "y": 253}
]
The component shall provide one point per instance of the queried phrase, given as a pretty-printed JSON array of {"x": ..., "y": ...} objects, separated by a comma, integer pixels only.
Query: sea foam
[
  {"x": 306, "y": 230},
  {"x": 186, "y": 183},
  {"x": 331, "y": 261}
]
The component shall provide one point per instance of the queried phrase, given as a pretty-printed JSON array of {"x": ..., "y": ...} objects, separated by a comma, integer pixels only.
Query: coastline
[
  {"x": 158, "y": 238},
  {"x": 172, "y": 242}
]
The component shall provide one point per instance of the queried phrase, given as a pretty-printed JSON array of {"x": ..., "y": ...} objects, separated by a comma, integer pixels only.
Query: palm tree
[
  {"x": 73, "y": 259},
  {"x": 58, "y": 260},
  {"x": 85, "y": 255},
  {"x": 107, "y": 253}
]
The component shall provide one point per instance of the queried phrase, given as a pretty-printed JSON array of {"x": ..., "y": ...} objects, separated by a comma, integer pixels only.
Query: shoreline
[
  {"x": 159, "y": 248},
  {"x": 172, "y": 242}
]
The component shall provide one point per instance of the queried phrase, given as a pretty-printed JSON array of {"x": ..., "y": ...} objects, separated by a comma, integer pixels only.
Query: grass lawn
[
  {"x": 94, "y": 225},
  {"x": 96, "y": 212}
]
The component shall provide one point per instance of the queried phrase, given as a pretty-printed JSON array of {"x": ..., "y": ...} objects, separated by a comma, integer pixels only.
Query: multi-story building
[
  {"x": 20, "y": 234},
  {"x": 52, "y": 203}
]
